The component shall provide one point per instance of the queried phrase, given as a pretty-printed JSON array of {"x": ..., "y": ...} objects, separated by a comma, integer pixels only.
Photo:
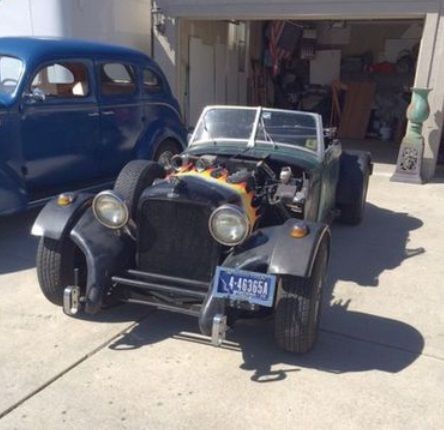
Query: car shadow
[
  {"x": 358, "y": 342},
  {"x": 17, "y": 247},
  {"x": 360, "y": 254}
]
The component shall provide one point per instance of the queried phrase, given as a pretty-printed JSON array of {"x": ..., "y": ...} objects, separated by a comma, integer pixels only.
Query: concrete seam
[
  {"x": 73, "y": 366},
  {"x": 131, "y": 326},
  {"x": 385, "y": 345}
]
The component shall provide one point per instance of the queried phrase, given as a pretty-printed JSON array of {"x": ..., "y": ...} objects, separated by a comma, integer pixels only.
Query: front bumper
[{"x": 170, "y": 293}]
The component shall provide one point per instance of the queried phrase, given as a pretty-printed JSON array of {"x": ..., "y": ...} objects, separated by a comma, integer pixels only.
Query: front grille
[{"x": 174, "y": 240}]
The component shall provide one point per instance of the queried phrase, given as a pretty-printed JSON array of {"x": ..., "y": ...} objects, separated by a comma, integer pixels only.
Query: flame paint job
[{"x": 221, "y": 179}]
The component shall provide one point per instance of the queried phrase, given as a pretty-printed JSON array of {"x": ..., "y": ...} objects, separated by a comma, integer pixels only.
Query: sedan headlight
[
  {"x": 229, "y": 225},
  {"x": 110, "y": 210}
]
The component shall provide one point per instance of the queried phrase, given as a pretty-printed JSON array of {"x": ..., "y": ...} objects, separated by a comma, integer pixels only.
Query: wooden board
[{"x": 359, "y": 102}]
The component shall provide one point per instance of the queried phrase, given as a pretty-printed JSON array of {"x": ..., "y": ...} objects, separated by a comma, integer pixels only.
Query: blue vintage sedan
[{"x": 73, "y": 113}]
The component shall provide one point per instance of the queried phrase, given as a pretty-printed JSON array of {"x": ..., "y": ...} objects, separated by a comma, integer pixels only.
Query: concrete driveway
[{"x": 379, "y": 362}]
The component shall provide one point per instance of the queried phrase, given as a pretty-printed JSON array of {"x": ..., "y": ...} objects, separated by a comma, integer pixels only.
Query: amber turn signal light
[
  {"x": 299, "y": 231},
  {"x": 65, "y": 199}
]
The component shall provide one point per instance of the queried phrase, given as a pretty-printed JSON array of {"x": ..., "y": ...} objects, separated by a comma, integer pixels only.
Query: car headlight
[
  {"x": 229, "y": 225},
  {"x": 110, "y": 210}
]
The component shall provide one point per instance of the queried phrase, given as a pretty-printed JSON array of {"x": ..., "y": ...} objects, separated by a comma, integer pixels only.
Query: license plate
[{"x": 253, "y": 287}]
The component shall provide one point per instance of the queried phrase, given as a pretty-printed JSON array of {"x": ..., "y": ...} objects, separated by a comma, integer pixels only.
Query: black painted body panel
[
  {"x": 273, "y": 250},
  {"x": 54, "y": 221},
  {"x": 107, "y": 253}
]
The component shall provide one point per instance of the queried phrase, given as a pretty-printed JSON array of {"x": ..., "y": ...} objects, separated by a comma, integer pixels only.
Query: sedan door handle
[
  {"x": 108, "y": 112},
  {"x": 93, "y": 114}
]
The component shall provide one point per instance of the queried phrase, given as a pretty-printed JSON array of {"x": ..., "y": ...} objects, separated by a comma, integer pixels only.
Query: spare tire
[{"x": 134, "y": 178}]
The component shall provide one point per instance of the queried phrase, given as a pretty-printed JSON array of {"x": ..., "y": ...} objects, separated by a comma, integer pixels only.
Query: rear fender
[
  {"x": 55, "y": 221},
  {"x": 107, "y": 253},
  {"x": 153, "y": 138}
]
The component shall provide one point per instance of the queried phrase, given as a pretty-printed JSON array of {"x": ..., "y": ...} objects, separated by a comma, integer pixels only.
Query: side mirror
[
  {"x": 330, "y": 133},
  {"x": 35, "y": 96}
]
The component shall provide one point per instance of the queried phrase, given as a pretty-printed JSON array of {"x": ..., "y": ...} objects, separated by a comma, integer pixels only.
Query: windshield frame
[
  {"x": 251, "y": 141},
  {"x": 10, "y": 96}
]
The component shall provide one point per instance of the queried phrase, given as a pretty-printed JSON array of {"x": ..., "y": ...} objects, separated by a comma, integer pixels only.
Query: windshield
[
  {"x": 257, "y": 125},
  {"x": 10, "y": 73}
]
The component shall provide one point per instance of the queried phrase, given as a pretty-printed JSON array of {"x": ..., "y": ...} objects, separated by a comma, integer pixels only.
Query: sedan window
[
  {"x": 151, "y": 82},
  {"x": 62, "y": 80},
  {"x": 117, "y": 79},
  {"x": 10, "y": 73}
]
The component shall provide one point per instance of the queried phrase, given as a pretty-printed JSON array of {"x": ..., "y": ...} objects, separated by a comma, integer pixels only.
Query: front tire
[
  {"x": 298, "y": 306},
  {"x": 56, "y": 261}
]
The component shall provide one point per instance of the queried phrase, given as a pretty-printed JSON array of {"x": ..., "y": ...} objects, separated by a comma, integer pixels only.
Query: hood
[{"x": 210, "y": 187}]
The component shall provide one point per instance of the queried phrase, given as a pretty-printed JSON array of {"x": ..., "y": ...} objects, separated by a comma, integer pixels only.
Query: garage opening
[{"x": 357, "y": 74}]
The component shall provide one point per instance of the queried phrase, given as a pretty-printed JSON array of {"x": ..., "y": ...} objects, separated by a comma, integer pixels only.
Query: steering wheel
[{"x": 12, "y": 81}]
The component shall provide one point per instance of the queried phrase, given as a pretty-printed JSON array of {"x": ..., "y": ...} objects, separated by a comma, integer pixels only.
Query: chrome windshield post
[{"x": 253, "y": 134}]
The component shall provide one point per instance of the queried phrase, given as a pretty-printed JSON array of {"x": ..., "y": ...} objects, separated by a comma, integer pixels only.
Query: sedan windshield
[
  {"x": 10, "y": 73},
  {"x": 257, "y": 125}
]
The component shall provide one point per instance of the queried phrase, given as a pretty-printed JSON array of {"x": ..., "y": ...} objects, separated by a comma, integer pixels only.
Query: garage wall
[{"x": 376, "y": 36}]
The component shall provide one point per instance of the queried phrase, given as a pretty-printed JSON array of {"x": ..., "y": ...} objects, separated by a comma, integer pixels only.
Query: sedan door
[
  {"x": 60, "y": 128},
  {"x": 121, "y": 115}
]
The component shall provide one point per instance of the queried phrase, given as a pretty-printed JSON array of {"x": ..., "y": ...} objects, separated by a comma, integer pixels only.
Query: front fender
[
  {"x": 54, "y": 221},
  {"x": 273, "y": 250},
  {"x": 107, "y": 253},
  {"x": 269, "y": 250}
]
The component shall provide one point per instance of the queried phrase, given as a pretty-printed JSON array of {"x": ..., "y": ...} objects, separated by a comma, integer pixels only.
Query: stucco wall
[{"x": 123, "y": 22}]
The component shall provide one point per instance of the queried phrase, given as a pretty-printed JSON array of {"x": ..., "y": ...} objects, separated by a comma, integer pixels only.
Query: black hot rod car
[{"x": 236, "y": 226}]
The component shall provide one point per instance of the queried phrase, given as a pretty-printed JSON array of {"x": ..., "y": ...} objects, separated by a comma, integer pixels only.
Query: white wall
[
  {"x": 164, "y": 51},
  {"x": 125, "y": 22},
  {"x": 280, "y": 9}
]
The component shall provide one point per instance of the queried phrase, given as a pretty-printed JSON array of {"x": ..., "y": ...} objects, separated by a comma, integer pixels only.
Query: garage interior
[{"x": 356, "y": 73}]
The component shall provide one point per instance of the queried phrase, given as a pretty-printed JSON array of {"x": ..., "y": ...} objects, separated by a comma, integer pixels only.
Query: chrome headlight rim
[
  {"x": 121, "y": 203},
  {"x": 242, "y": 216}
]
